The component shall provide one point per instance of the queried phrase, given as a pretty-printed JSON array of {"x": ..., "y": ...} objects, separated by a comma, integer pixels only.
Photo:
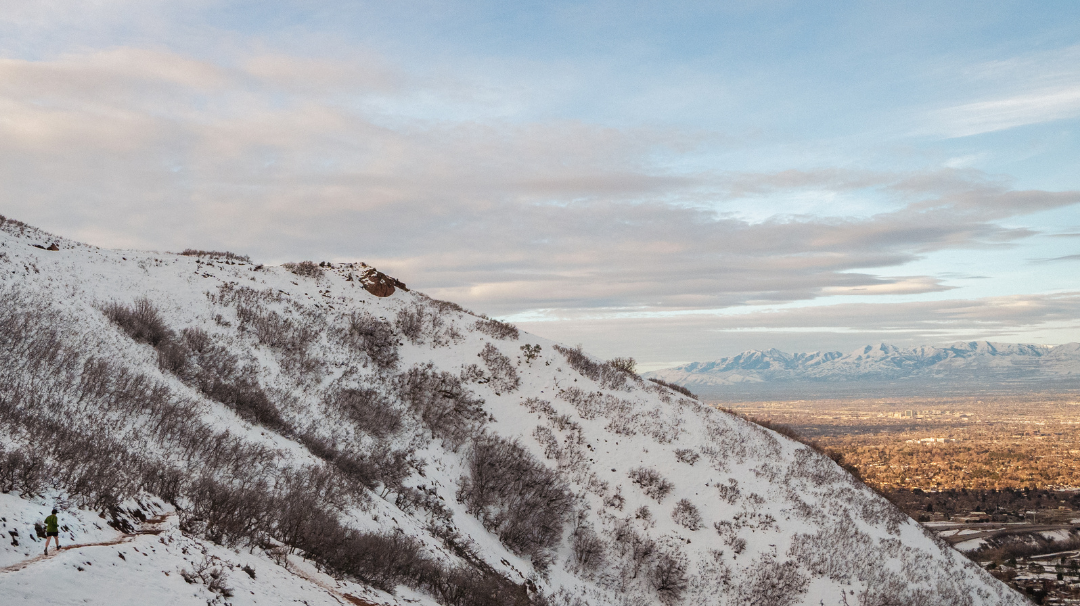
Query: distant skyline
[{"x": 671, "y": 181}]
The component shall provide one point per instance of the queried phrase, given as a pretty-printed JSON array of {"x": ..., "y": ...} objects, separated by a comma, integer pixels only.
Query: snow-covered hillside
[
  {"x": 353, "y": 448},
  {"x": 1004, "y": 364}
]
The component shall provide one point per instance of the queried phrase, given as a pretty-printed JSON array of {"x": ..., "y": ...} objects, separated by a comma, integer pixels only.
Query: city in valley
[{"x": 996, "y": 476}]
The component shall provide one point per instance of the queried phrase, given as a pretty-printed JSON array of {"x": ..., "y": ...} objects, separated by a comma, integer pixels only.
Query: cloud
[
  {"x": 1064, "y": 258},
  {"x": 1033, "y": 88},
  {"x": 289, "y": 158},
  {"x": 1010, "y": 112},
  {"x": 660, "y": 340}
]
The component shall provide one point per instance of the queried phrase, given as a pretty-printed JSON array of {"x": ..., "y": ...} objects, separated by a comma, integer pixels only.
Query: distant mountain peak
[{"x": 963, "y": 361}]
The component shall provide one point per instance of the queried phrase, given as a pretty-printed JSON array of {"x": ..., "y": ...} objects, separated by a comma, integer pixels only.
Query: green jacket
[{"x": 51, "y": 524}]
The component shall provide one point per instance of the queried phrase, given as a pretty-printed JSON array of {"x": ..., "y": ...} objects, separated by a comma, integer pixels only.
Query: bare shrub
[
  {"x": 503, "y": 375},
  {"x": 531, "y": 352},
  {"x": 588, "y": 549},
  {"x": 677, "y": 388},
  {"x": 22, "y": 472},
  {"x": 730, "y": 491},
  {"x": 668, "y": 576},
  {"x": 637, "y": 548},
  {"x": 374, "y": 337},
  {"x": 216, "y": 372},
  {"x": 687, "y": 455},
  {"x": 615, "y": 500},
  {"x": 603, "y": 373},
  {"x": 497, "y": 329},
  {"x": 772, "y": 583},
  {"x": 217, "y": 255},
  {"x": 686, "y": 514},
  {"x": 515, "y": 496},
  {"x": 368, "y": 409},
  {"x": 410, "y": 322},
  {"x": 141, "y": 321},
  {"x": 627, "y": 365},
  {"x": 536, "y": 405},
  {"x": 210, "y": 572},
  {"x": 730, "y": 535},
  {"x": 651, "y": 482},
  {"x": 304, "y": 269},
  {"x": 443, "y": 404}
]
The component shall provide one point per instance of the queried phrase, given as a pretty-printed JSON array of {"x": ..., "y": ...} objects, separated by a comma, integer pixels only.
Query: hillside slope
[{"x": 395, "y": 448}]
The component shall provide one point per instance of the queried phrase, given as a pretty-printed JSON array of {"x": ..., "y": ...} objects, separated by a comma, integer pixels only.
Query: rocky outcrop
[{"x": 380, "y": 284}]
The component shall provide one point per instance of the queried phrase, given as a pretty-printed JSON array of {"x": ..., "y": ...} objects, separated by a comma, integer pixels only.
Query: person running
[{"x": 52, "y": 531}]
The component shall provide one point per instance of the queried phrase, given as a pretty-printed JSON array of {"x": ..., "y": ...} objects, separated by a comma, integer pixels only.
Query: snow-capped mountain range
[
  {"x": 214, "y": 431},
  {"x": 991, "y": 364}
]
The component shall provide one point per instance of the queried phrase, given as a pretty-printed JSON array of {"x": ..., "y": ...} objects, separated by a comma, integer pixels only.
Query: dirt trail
[
  {"x": 155, "y": 528},
  {"x": 348, "y": 597}
]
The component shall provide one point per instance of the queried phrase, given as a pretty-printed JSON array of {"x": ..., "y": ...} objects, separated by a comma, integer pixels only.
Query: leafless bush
[
  {"x": 603, "y": 373},
  {"x": 304, "y": 269},
  {"x": 289, "y": 337},
  {"x": 772, "y": 583},
  {"x": 22, "y": 472},
  {"x": 444, "y": 307},
  {"x": 196, "y": 360},
  {"x": 637, "y": 548},
  {"x": 644, "y": 514},
  {"x": 410, "y": 322},
  {"x": 515, "y": 496},
  {"x": 840, "y": 551},
  {"x": 218, "y": 255},
  {"x": 141, "y": 321},
  {"x": 443, "y": 404},
  {"x": 668, "y": 576},
  {"x": 686, "y": 514},
  {"x": 627, "y": 365},
  {"x": 497, "y": 329},
  {"x": 677, "y": 388},
  {"x": 536, "y": 405},
  {"x": 424, "y": 321},
  {"x": 615, "y": 500},
  {"x": 547, "y": 440},
  {"x": 374, "y": 337},
  {"x": 473, "y": 374},
  {"x": 210, "y": 572},
  {"x": 651, "y": 482},
  {"x": 503, "y": 376},
  {"x": 531, "y": 352},
  {"x": 368, "y": 409},
  {"x": 588, "y": 549},
  {"x": 729, "y": 534},
  {"x": 217, "y": 373},
  {"x": 687, "y": 455},
  {"x": 730, "y": 491}
]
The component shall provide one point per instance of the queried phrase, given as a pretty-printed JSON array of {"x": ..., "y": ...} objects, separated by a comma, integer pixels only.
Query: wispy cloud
[
  {"x": 1038, "y": 87},
  {"x": 1009, "y": 112},
  {"x": 1064, "y": 258}
]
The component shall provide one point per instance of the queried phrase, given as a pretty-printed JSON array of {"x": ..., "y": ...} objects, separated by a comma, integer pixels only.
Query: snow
[
  {"x": 786, "y": 502},
  {"x": 957, "y": 361}
]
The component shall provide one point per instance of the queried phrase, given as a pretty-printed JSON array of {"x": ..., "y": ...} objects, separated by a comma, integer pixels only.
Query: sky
[{"x": 671, "y": 181}]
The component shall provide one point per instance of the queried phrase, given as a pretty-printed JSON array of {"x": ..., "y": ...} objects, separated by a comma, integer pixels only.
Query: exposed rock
[{"x": 380, "y": 284}]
